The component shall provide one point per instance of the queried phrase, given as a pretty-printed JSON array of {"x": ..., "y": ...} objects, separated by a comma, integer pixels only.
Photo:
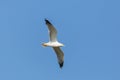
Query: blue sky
[{"x": 90, "y": 30}]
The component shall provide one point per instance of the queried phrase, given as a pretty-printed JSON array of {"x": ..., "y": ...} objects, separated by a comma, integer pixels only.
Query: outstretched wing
[
  {"x": 52, "y": 31},
  {"x": 60, "y": 56}
]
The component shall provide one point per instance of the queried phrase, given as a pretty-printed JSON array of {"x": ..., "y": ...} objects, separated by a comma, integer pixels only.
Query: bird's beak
[{"x": 44, "y": 45}]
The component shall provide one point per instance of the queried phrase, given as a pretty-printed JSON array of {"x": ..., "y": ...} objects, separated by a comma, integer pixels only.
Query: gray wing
[
  {"x": 60, "y": 56},
  {"x": 52, "y": 31}
]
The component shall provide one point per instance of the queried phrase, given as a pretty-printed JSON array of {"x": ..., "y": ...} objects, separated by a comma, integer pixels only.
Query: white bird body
[{"x": 54, "y": 43}]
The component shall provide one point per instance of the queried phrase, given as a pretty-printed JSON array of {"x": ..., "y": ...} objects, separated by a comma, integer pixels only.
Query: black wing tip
[
  {"x": 61, "y": 64},
  {"x": 47, "y": 22}
]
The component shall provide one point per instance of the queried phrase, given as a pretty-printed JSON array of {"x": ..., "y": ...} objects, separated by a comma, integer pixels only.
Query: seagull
[{"x": 53, "y": 42}]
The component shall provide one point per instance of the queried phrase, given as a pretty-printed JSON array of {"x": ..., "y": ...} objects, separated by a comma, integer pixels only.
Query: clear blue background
[{"x": 90, "y": 30}]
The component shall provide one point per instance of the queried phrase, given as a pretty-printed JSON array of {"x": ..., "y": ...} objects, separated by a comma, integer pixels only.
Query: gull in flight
[{"x": 54, "y": 43}]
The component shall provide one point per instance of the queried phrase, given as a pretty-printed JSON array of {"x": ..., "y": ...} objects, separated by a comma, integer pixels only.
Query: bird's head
[{"x": 44, "y": 44}]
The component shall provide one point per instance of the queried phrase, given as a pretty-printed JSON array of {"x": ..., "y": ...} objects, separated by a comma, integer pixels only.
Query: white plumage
[{"x": 54, "y": 43}]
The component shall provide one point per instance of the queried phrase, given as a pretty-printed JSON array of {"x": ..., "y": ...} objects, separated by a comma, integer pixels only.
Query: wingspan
[
  {"x": 60, "y": 56},
  {"x": 52, "y": 31}
]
